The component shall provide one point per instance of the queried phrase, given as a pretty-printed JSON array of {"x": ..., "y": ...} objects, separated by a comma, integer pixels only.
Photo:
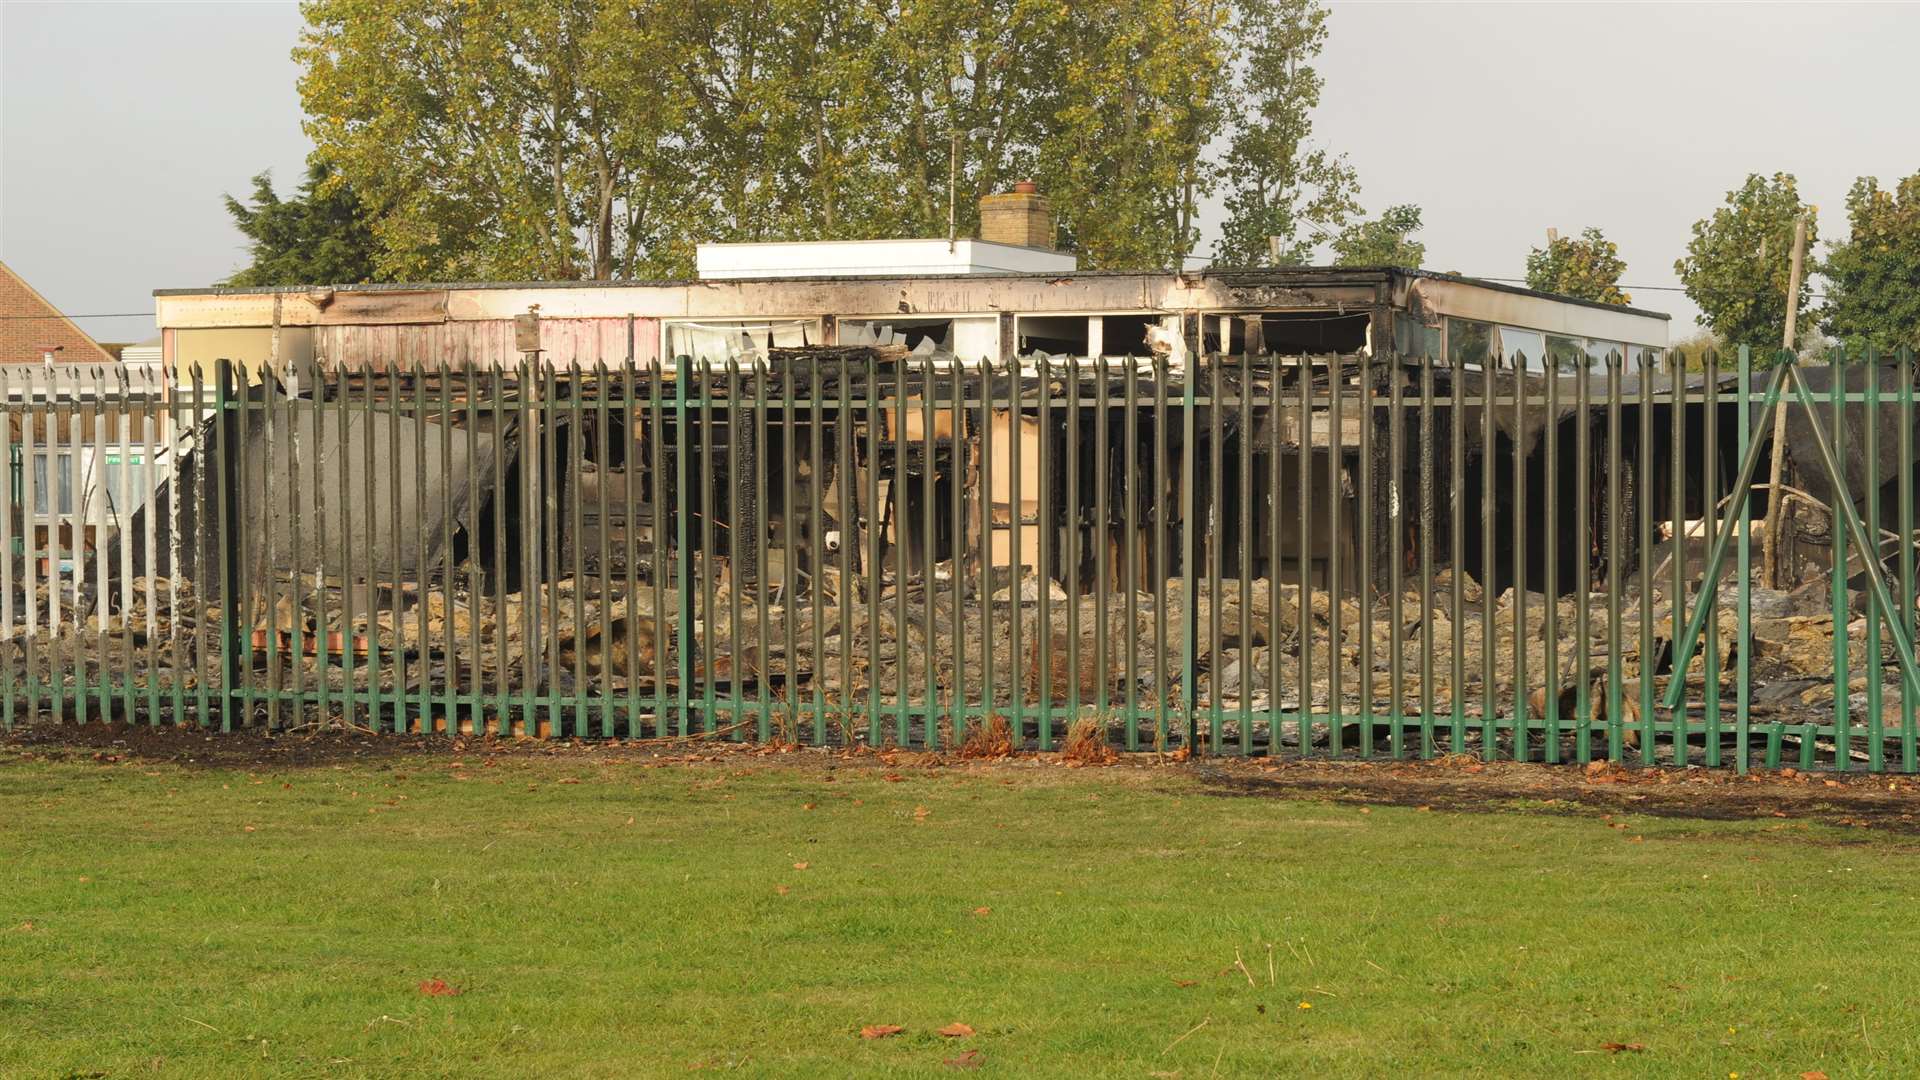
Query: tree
[
  {"x": 1874, "y": 276},
  {"x": 1284, "y": 197},
  {"x": 1694, "y": 348},
  {"x": 1119, "y": 135},
  {"x": 1737, "y": 266},
  {"x": 1587, "y": 268},
  {"x": 475, "y": 134},
  {"x": 320, "y": 236},
  {"x": 604, "y": 138},
  {"x": 1384, "y": 241}
]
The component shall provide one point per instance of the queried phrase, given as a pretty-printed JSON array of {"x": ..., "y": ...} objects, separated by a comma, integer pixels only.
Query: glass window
[
  {"x": 1413, "y": 338},
  {"x": 1523, "y": 350},
  {"x": 1469, "y": 343},
  {"x": 119, "y": 482},
  {"x": 46, "y": 473},
  {"x": 914, "y": 335},
  {"x": 733, "y": 339},
  {"x": 1599, "y": 353},
  {"x": 966, "y": 339},
  {"x": 1567, "y": 354}
]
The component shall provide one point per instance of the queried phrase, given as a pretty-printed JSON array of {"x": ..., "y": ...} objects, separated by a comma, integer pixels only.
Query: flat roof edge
[
  {"x": 1289, "y": 275},
  {"x": 1279, "y": 275},
  {"x": 1521, "y": 290}
]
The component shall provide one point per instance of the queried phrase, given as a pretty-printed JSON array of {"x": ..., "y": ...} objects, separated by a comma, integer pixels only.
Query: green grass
[{"x": 631, "y": 924}]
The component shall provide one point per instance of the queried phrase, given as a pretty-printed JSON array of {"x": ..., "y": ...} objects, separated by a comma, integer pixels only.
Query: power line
[
  {"x": 1643, "y": 288},
  {"x": 1523, "y": 281}
]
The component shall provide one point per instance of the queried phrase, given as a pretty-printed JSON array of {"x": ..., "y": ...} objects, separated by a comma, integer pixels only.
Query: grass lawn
[{"x": 610, "y": 915}]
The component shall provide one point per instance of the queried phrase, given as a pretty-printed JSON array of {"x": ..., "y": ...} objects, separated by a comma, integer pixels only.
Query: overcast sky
[{"x": 121, "y": 125}]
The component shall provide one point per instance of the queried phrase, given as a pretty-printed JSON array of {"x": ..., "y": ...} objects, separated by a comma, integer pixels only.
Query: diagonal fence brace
[
  {"x": 1688, "y": 641},
  {"x": 1844, "y": 509}
]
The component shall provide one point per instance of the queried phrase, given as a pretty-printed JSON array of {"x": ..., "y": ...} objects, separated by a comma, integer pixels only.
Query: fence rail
[{"x": 1362, "y": 555}]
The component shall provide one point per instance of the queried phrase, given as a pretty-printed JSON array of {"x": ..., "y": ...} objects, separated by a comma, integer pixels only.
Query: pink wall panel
[{"x": 567, "y": 342}]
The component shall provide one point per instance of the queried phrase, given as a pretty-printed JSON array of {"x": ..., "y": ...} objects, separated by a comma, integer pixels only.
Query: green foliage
[
  {"x": 1739, "y": 261},
  {"x": 1587, "y": 268},
  {"x": 1874, "y": 277},
  {"x": 319, "y": 236},
  {"x": 1122, "y": 100},
  {"x": 500, "y": 139},
  {"x": 1695, "y": 347},
  {"x": 1283, "y": 197},
  {"x": 1384, "y": 241},
  {"x": 475, "y": 133}
]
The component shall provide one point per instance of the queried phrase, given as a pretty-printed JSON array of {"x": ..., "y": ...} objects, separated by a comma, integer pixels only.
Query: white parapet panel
[{"x": 876, "y": 258}]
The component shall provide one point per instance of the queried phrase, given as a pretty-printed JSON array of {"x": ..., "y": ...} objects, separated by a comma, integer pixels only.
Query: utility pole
[{"x": 1776, "y": 497}]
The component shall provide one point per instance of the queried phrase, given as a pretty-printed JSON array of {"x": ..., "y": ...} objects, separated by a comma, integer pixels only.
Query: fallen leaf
[
  {"x": 808, "y": 806},
  {"x": 1813, "y": 1074},
  {"x": 1184, "y": 983},
  {"x": 1617, "y": 1047},
  {"x": 983, "y": 912},
  {"x": 955, "y": 1030},
  {"x": 801, "y": 865},
  {"x": 439, "y": 988},
  {"x": 968, "y": 1059},
  {"x": 567, "y": 780},
  {"x": 893, "y": 778},
  {"x": 920, "y": 813},
  {"x": 880, "y": 1031},
  {"x": 781, "y": 890},
  {"x": 1306, "y": 1005}
]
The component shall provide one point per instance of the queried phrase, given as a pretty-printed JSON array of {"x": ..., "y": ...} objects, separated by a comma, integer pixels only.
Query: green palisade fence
[{"x": 1367, "y": 555}]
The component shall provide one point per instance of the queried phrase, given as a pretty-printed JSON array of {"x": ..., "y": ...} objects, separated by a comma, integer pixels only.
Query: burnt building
[{"x": 983, "y": 306}]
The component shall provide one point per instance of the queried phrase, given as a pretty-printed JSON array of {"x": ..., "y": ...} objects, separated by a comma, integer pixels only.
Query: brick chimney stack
[{"x": 1021, "y": 217}]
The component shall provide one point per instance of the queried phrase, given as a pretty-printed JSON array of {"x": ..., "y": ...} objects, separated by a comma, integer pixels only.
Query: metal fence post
[
  {"x": 1189, "y": 616},
  {"x": 683, "y": 564},
  {"x": 1743, "y": 706},
  {"x": 233, "y": 542}
]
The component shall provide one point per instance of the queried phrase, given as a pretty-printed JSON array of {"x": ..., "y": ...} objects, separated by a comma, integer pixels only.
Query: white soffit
[{"x": 1465, "y": 300}]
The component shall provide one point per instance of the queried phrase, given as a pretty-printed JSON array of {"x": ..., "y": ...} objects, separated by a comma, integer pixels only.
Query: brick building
[{"x": 31, "y": 327}]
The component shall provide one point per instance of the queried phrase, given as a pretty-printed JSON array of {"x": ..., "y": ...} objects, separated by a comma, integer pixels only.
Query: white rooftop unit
[
  {"x": 144, "y": 355},
  {"x": 876, "y": 258}
]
